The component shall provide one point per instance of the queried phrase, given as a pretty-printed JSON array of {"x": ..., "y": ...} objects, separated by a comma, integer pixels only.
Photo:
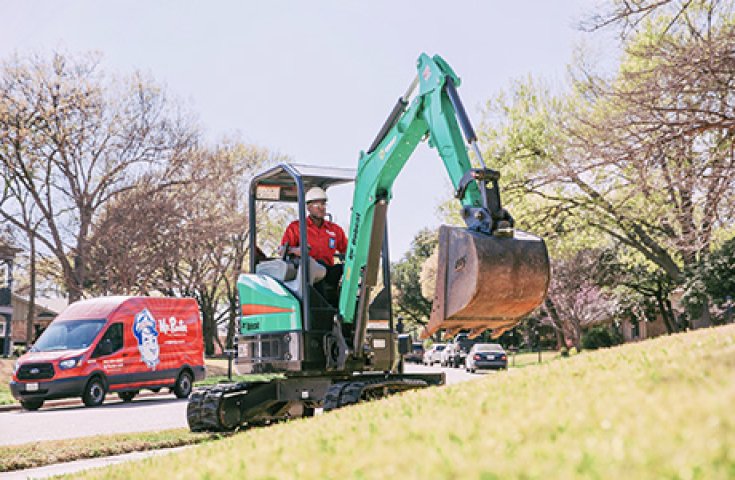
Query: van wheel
[
  {"x": 94, "y": 392},
  {"x": 127, "y": 396},
  {"x": 183, "y": 386},
  {"x": 31, "y": 405}
]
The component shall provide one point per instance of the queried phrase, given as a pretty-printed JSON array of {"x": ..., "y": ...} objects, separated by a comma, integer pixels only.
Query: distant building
[
  {"x": 635, "y": 330},
  {"x": 46, "y": 309},
  {"x": 7, "y": 256}
]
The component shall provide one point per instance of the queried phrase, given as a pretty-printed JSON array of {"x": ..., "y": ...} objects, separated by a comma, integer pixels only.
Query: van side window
[{"x": 111, "y": 341}]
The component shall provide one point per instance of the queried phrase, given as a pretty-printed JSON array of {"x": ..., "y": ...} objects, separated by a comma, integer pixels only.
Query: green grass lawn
[
  {"x": 530, "y": 358},
  {"x": 657, "y": 409}
]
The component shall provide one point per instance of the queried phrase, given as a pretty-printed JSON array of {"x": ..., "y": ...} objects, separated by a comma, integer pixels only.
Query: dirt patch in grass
[
  {"x": 217, "y": 367},
  {"x": 31, "y": 455}
]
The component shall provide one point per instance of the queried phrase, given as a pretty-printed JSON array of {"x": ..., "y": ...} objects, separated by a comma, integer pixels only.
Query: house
[
  {"x": 634, "y": 330},
  {"x": 7, "y": 256},
  {"x": 46, "y": 309}
]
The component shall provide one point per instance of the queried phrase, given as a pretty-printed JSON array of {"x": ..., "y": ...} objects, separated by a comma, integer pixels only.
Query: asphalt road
[{"x": 155, "y": 412}]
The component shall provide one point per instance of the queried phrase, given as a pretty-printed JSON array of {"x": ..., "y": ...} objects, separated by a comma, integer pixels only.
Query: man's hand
[{"x": 296, "y": 251}]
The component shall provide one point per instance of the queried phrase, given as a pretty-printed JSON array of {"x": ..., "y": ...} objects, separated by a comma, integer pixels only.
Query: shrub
[{"x": 600, "y": 336}]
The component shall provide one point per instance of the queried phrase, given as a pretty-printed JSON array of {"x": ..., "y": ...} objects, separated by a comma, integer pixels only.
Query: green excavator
[{"x": 334, "y": 353}]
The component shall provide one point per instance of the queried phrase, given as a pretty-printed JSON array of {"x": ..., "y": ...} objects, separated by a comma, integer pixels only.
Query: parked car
[
  {"x": 461, "y": 345},
  {"x": 113, "y": 344},
  {"x": 486, "y": 355},
  {"x": 416, "y": 355},
  {"x": 433, "y": 355},
  {"x": 447, "y": 356}
]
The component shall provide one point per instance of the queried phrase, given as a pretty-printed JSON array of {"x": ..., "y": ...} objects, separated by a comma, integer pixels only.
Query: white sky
[{"x": 313, "y": 79}]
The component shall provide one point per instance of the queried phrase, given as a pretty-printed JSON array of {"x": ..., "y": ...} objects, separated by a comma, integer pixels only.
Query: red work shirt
[{"x": 324, "y": 241}]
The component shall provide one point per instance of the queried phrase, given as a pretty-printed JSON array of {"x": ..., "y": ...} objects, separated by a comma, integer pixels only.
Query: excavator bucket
[{"x": 486, "y": 282}]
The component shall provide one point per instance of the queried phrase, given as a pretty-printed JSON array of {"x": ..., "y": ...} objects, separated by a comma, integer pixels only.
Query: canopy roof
[{"x": 280, "y": 182}]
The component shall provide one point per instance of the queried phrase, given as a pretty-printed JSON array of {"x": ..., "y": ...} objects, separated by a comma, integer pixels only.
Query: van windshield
[{"x": 68, "y": 335}]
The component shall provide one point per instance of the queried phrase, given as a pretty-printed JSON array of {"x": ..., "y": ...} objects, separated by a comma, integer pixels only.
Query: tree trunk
[
  {"x": 31, "y": 293},
  {"x": 232, "y": 316},
  {"x": 209, "y": 327},
  {"x": 704, "y": 319},
  {"x": 665, "y": 314},
  {"x": 558, "y": 327}
]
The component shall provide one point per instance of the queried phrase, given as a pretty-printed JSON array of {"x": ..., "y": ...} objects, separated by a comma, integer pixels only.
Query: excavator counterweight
[{"x": 487, "y": 282}]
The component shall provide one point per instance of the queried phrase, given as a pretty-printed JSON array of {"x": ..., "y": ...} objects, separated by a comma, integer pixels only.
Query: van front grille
[{"x": 35, "y": 371}]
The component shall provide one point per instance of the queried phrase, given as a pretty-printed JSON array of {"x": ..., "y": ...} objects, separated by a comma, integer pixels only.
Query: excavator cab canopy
[{"x": 288, "y": 182}]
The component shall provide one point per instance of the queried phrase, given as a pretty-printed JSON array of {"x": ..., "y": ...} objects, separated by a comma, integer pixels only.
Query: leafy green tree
[
  {"x": 641, "y": 289},
  {"x": 406, "y": 280},
  {"x": 713, "y": 278},
  {"x": 643, "y": 159}
]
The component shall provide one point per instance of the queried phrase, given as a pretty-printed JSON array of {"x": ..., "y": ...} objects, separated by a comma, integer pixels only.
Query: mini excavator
[{"x": 340, "y": 352}]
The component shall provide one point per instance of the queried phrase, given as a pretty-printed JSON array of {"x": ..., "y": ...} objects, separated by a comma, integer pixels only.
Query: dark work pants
[{"x": 329, "y": 286}]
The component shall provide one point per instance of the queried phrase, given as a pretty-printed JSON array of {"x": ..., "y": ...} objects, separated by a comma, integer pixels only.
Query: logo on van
[
  {"x": 146, "y": 332},
  {"x": 172, "y": 326}
]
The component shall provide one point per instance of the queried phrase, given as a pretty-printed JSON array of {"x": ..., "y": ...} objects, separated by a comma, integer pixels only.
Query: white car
[
  {"x": 447, "y": 356},
  {"x": 433, "y": 354}
]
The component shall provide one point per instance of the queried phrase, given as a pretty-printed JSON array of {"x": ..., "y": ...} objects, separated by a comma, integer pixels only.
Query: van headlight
[
  {"x": 69, "y": 363},
  {"x": 16, "y": 366}
]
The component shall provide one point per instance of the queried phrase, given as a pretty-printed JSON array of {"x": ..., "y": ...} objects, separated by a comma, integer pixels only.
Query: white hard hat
[{"x": 315, "y": 193}]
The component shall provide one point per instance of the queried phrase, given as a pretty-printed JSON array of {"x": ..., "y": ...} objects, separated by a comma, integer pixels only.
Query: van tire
[
  {"x": 127, "y": 396},
  {"x": 31, "y": 405},
  {"x": 94, "y": 392},
  {"x": 183, "y": 385}
]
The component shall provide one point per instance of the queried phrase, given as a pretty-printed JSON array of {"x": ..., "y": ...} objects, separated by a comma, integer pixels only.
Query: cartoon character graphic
[{"x": 146, "y": 332}]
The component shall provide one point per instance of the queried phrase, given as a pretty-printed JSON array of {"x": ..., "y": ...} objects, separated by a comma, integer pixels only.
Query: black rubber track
[
  {"x": 348, "y": 393},
  {"x": 204, "y": 413}
]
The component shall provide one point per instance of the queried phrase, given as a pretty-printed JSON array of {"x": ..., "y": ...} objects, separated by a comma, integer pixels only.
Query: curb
[{"x": 75, "y": 401}]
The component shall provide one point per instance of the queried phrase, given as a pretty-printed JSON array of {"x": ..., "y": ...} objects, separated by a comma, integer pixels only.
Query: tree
[
  {"x": 28, "y": 217},
  {"x": 713, "y": 278},
  {"x": 72, "y": 140},
  {"x": 406, "y": 279},
  {"x": 642, "y": 290},
  {"x": 575, "y": 300},
  {"x": 645, "y": 159},
  {"x": 183, "y": 240}
]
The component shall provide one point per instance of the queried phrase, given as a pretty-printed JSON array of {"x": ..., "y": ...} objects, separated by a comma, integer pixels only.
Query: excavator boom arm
[{"x": 434, "y": 112}]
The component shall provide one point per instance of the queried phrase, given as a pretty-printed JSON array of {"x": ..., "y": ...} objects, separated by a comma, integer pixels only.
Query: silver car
[
  {"x": 486, "y": 355},
  {"x": 433, "y": 354}
]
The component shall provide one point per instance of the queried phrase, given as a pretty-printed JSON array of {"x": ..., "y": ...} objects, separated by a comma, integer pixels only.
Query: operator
[{"x": 324, "y": 238}]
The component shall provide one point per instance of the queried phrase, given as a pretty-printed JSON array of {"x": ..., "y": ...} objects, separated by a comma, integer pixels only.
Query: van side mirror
[{"x": 404, "y": 344}]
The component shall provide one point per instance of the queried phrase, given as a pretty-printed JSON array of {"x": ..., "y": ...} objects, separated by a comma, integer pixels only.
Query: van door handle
[{"x": 125, "y": 354}]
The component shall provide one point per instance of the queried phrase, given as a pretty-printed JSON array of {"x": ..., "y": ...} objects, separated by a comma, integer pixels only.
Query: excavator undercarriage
[{"x": 227, "y": 407}]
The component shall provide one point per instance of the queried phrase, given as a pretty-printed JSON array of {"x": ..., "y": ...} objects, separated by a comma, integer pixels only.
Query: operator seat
[
  {"x": 278, "y": 269},
  {"x": 287, "y": 273}
]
